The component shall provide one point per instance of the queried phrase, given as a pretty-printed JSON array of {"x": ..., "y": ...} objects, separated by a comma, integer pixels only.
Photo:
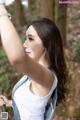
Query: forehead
[{"x": 31, "y": 31}]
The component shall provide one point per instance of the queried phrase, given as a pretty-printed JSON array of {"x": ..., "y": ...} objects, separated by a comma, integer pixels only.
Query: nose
[{"x": 25, "y": 44}]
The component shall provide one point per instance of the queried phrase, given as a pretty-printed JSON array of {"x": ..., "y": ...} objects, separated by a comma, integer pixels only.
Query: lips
[{"x": 27, "y": 52}]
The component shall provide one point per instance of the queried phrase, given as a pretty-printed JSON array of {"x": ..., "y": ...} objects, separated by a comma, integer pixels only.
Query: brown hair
[{"x": 52, "y": 41}]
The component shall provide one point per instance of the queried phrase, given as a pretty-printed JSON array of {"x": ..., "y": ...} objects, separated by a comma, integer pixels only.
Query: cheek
[{"x": 37, "y": 50}]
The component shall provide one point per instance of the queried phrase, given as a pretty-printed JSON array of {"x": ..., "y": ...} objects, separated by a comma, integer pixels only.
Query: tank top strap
[
  {"x": 54, "y": 85},
  {"x": 19, "y": 83}
]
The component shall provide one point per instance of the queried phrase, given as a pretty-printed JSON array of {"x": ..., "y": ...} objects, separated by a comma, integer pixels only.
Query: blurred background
[{"x": 67, "y": 17}]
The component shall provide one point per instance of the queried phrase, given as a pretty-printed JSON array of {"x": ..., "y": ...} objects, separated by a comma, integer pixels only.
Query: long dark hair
[{"x": 52, "y": 41}]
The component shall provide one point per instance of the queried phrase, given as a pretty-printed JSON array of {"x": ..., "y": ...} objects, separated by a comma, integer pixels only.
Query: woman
[{"x": 41, "y": 59}]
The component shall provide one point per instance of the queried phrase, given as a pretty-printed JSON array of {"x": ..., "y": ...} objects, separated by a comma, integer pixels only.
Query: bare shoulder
[
  {"x": 41, "y": 75},
  {"x": 43, "y": 86}
]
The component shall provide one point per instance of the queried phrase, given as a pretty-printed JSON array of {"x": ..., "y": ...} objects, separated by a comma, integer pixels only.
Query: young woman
[{"x": 41, "y": 59}]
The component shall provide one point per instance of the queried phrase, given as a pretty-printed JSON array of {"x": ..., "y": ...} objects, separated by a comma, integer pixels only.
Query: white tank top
[{"x": 31, "y": 106}]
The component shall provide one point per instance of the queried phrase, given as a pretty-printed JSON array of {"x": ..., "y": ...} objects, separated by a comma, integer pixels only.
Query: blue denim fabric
[
  {"x": 16, "y": 111},
  {"x": 15, "y": 108},
  {"x": 51, "y": 106}
]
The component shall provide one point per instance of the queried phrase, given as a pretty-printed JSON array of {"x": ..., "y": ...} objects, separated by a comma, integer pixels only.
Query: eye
[{"x": 30, "y": 39}]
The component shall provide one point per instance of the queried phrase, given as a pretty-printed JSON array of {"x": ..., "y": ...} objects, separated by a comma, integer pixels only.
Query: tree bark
[
  {"x": 20, "y": 18},
  {"x": 46, "y": 8},
  {"x": 61, "y": 19},
  {"x": 41, "y": 8}
]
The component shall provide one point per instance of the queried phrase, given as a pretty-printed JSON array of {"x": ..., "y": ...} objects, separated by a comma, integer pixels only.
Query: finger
[
  {"x": 1, "y": 95},
  {"x": 2, "y": 102},
  {"x": 4, "y": 98}
]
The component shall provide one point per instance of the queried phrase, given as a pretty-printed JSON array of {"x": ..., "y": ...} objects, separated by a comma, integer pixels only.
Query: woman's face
[{"x": 33, "y": 45}]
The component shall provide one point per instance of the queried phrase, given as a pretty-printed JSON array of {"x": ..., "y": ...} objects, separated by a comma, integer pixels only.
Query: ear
[
  {"x": 44, "y": 49},
  {"x": 44, "y": 53}
]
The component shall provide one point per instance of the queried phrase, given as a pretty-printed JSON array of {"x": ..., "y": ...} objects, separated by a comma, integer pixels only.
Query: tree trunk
[
  {"x": 60, "y": 19},
  {"x": 41, "y": 8},
  {"x": 20, "y": 19},
  {"x": 46, "y": 8},
  {"x": 32, "y": 9}
]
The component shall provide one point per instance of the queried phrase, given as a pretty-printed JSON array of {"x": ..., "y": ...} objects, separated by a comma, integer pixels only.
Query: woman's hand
[
  {"x": 5, "y": 101},
  {"x": 2, "y": 102}
]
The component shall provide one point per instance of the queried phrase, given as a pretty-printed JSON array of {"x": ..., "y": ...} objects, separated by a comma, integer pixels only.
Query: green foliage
[
  {"x": 7, "y": 74},
  {"x": 34, "y": 11},
  {"x": 2, "y": 54},
  {"x": 5, "y": 69},
  {"x": 11, "y": 9},
  {"x": 74, "y": 17},
  {"x": 3, "y": 79},
  {"x": 77, "y": 51},
  {"x": 4, "y": 82},
  {"x": 32, "y": 6},
  {"x": 3, "y": 58},
  {"x": 76, "y": 47},
  {"x": 23, "y": 38}
]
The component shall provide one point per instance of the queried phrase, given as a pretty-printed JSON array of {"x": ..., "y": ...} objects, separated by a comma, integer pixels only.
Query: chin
[{"x": 31, "y": 56}]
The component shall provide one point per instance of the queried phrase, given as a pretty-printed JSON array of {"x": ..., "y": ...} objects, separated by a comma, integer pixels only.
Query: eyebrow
[{"x": 30, "y": 35}]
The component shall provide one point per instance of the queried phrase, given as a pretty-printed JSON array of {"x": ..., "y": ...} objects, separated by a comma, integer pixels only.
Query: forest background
[{"x": 67, "y": 17}]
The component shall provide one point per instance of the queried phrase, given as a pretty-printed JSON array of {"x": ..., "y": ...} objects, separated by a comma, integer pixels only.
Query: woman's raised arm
[
  {"x": 16, "y": 54},
  {"x": 10, "y": 39}
]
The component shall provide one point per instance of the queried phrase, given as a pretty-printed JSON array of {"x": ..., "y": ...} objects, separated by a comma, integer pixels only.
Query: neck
[{"x": 43, "y": 61}]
